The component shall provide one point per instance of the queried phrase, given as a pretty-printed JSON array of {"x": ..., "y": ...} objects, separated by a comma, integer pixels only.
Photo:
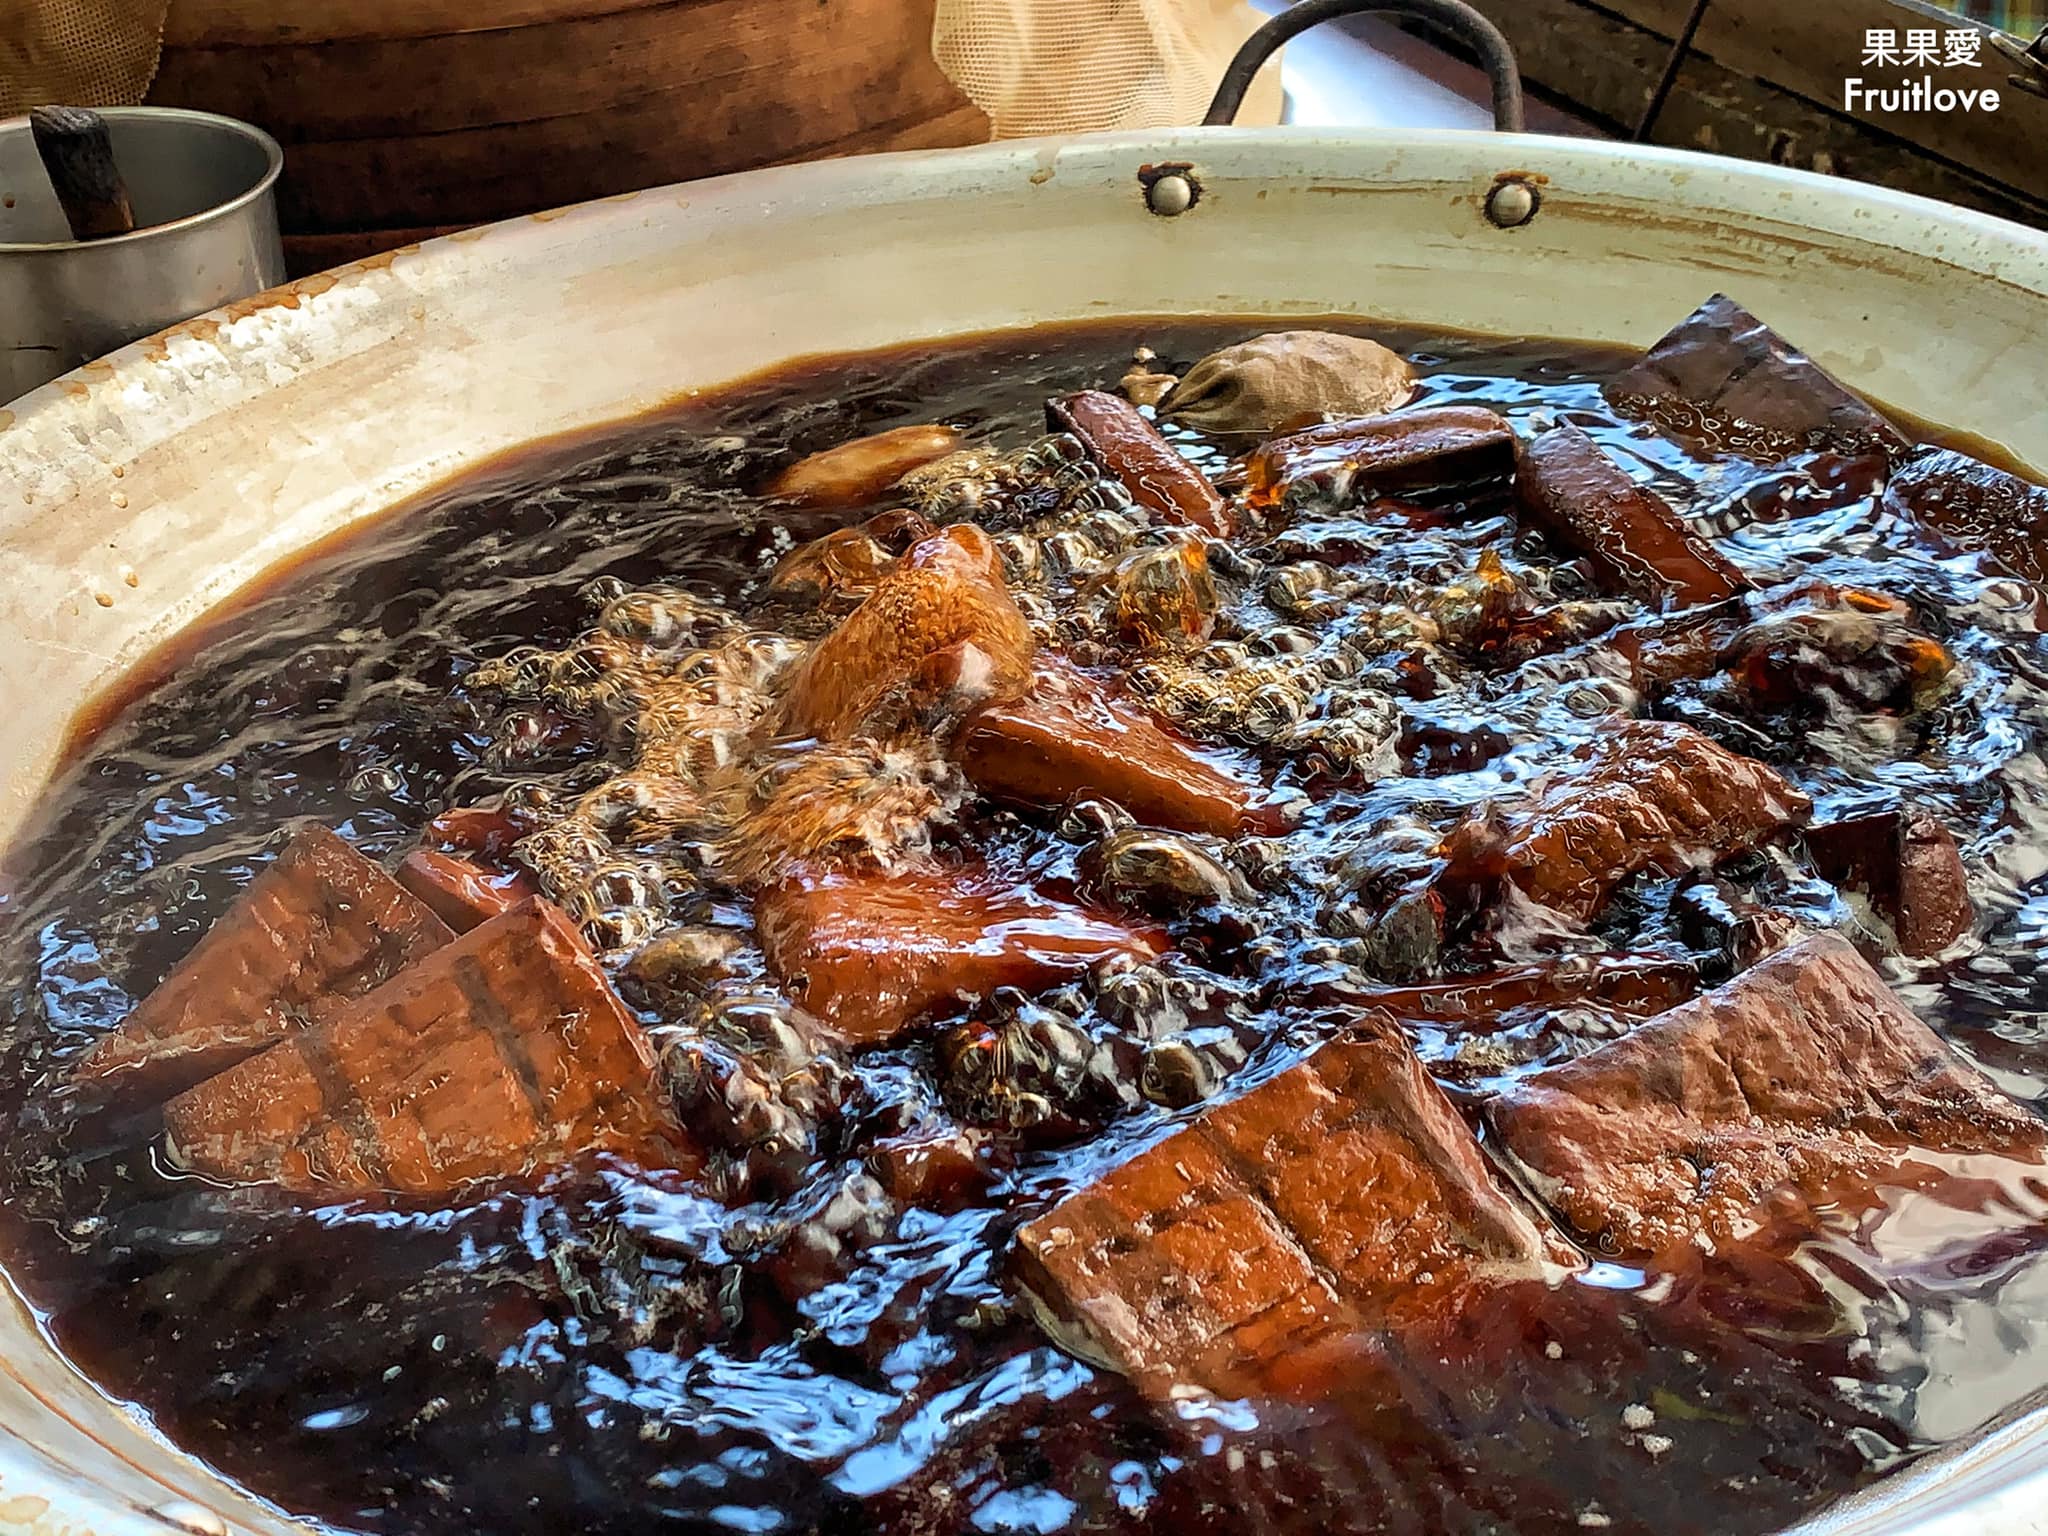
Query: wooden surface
[
  {"x": 315, "y": 252},
  {"x": 78, "y": 156},
  {"x": 1810, "y": 50},
  {"x": 399, "y": 116},
  {"x": 217, "y": 23},
  {"x": 1606, "y": 65}
]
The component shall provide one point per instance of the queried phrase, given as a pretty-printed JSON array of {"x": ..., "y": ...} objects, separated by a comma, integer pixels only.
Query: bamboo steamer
[{"x": 403, "y": 119}]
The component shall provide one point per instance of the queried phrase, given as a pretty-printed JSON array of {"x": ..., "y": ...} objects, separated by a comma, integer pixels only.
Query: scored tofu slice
[
  {"x": 1343, "y": 1197},
  {"x": 500, "y": 1052},
  {"x": 320, "y": 926},
  {"x": 1805, "y": 1069}
]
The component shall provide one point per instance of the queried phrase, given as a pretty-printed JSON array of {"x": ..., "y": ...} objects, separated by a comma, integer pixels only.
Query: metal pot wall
[
  {"x": 144, "y": 489},
  {"x": 206, "y": 207}
]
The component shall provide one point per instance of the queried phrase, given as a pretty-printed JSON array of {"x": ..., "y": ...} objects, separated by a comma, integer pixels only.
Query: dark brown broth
[{"x": 591, "y": 1355}]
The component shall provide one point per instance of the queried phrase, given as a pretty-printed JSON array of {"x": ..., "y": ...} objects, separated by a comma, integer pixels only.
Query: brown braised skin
[
  {"x": 501, "y": 1051},
  {"x": 941, "y": 625},
  {"x": 1646, "y": 795},
  {"x": 1804, "y": 1069},
  {"x": 1130, "y": 448},
  {"x": 1590, "y": 506},
  {"x": 1401, "y": 452},
  {"x": 320, "y": 926}
]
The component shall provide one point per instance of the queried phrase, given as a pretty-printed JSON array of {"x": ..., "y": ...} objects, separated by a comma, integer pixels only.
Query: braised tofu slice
[
  {"x": 502, "y": 1052},
  {"x": 1071, "y": 736},
  {"x": 1645, "y": 795},
  {"x": 1723, "y": 380},
  {"x": 321, "y": 926},
  {"x": 838, "y": 571},
  {"x": 1589, "y": 504},
  {"x": 1805, "y": 1069},
  {"x": 1344, "y": 1196},
  {"x": 872, "y": 953},
  {"x": 461, "y": 892}
]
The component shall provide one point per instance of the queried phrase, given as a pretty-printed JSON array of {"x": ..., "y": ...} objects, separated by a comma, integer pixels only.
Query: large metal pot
[{"x": 144, "y": 489}]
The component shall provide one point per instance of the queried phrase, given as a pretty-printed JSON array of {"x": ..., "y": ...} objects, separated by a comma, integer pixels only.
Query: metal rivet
[
  {"x": 187, "y": 1516},
  {"x": 1512, "y": 203},
  {"x": 1170, "y": 195}
]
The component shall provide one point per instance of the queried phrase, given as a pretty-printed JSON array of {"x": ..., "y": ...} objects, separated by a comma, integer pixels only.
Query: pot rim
[{"x": 820, "y": 180}]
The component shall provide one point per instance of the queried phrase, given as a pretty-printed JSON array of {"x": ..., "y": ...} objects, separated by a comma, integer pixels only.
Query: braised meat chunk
[
  {"x": 320, "y": 926},
  {"x": 940, "y": 628},
  {"x": 1830, "y": 653},
  {"x": 1343, "y": 1196},
  {"x": 1163, "y": 595},
  {"x": 1646, "y": 795},
  {"x": 835, "y": 572},
  {"x": 873, "y": 954},
  {"x": 1974, "y": 506},
  {"x": 1589, "y": 505},
  {"x": 504, "y": 1050},
  {"x": 1724, "y": 379},
  {"x": 1071, "y": 737},
  {"x": 1802, "y": 655},
  {"x": 1805, "y": 1069}
]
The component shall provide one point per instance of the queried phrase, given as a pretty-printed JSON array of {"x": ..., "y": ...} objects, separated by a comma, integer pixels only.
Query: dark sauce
[{"x": 598, "y": 1353}]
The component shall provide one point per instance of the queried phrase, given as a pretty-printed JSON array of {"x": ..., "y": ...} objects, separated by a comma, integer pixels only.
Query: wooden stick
[
  {"x": 78, "y": 154},
  {"x": 1662, "y": 90}
]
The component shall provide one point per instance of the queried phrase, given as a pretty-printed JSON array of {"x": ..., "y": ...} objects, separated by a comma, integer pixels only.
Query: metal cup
[{"x": 206, "y": 234}]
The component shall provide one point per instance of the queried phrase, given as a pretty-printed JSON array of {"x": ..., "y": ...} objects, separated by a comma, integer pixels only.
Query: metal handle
[
  {"x": 2030, "y": 58},
  {"x": 1454, "y": 18}
]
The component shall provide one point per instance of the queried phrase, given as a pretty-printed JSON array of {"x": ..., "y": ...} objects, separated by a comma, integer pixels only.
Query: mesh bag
[
  {"x": 1069, "y": 66},
  {"x": 77, "y": 53}
]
